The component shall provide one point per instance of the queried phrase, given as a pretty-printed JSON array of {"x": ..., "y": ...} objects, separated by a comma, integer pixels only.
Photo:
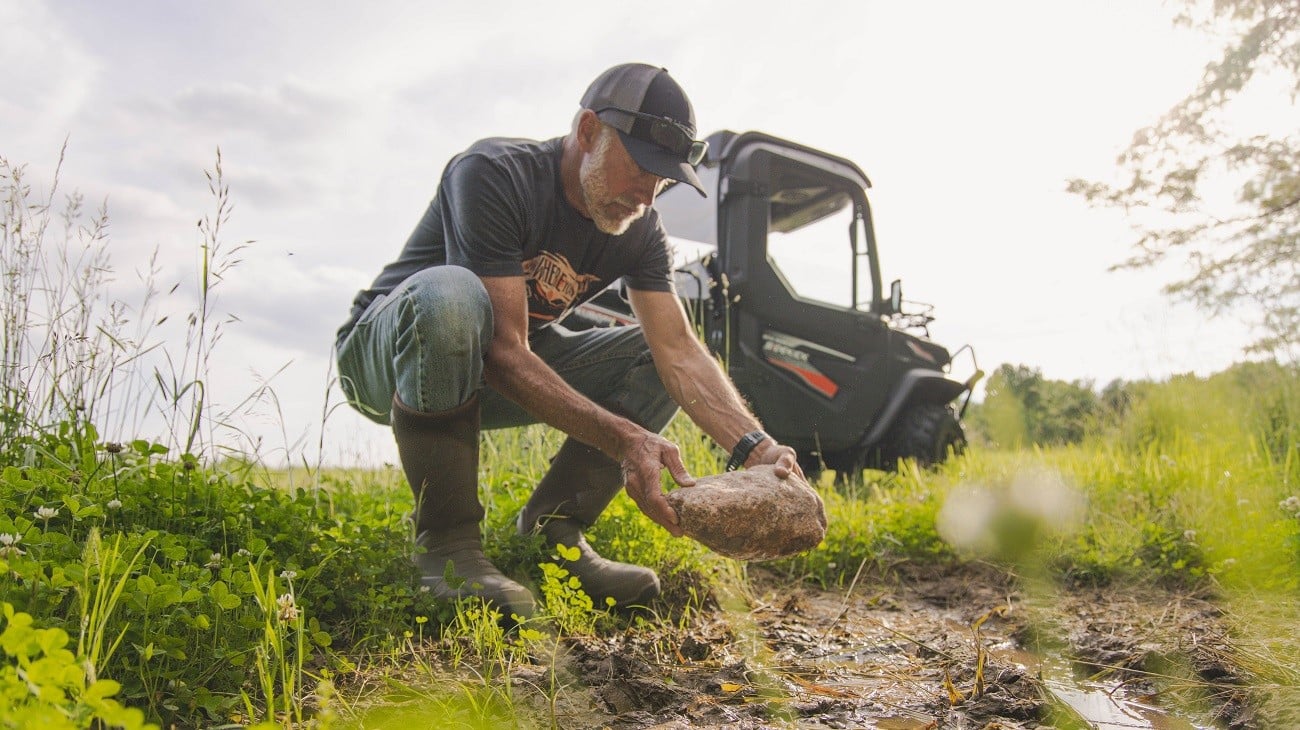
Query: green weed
[
  {"x": 43, "y": 684},
  {"x": 280, "y": 649}
]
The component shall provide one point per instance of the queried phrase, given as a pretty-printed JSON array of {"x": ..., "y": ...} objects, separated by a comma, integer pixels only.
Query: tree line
[{"x": 1022, "y": 407}]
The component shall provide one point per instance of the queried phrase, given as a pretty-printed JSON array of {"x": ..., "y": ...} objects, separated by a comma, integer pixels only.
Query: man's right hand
[
  {"x": 520, "y": 375},
  {"x": 643, "y": 461}
]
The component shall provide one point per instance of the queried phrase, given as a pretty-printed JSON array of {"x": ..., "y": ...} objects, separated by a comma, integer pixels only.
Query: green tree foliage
[
  {"x": 1022, "y": 407},
  {"x": 1242, "y": 252}
]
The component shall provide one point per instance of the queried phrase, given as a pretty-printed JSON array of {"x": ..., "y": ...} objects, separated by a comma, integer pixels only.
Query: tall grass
[
  {"x": 63, "y": 347},
  {"x": 74, "y": 356}
]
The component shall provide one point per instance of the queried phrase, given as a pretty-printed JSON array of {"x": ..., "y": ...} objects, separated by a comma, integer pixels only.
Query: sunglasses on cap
[{"x": 666, "y": 133}]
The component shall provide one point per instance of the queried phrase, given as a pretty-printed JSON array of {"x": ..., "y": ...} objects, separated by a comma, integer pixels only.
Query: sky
[{"x": 334, "y": 121}]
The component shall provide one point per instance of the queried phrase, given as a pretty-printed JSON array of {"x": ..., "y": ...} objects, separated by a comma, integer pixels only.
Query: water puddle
[
  {"x": 1106, "y": 708},
  {"x": 1103, "y": 706}
]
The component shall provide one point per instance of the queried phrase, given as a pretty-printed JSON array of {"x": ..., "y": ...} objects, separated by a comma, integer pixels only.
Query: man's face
[{"x": 615, "y": 189}]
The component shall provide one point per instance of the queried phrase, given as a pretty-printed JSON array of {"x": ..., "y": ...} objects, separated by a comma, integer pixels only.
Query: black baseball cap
[{"x": 653, "y": 117}]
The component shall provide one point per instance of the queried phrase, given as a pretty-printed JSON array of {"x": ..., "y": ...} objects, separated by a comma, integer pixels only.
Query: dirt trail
[{"x": 922, "y": 649}]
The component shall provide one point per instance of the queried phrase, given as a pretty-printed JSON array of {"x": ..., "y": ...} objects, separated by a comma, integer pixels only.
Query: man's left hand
[{"x": 783, "y": 459}]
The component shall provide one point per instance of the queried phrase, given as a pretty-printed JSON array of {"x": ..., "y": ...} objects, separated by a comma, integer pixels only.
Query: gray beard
[{"x": 594, "y": 187}]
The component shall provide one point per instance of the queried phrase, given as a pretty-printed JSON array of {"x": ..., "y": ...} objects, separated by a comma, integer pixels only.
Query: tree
[
  {"x": 1242, "y": 252},
  {"x": 1022, "y": 407}
]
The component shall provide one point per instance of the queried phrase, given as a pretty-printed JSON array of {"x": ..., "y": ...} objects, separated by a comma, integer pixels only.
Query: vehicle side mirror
[{"x": 896, "y": 296}]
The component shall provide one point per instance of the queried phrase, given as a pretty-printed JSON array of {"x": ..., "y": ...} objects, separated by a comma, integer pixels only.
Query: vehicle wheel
[{"x": 925, "y": 432}]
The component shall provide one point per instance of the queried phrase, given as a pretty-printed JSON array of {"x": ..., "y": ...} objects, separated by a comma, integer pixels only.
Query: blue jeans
[{"x": 425, "y": 341}]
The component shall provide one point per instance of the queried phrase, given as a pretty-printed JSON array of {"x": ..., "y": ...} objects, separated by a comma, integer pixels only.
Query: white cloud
[
  {"x": 286, "y": 112},
  {"x": 47, "y": 76},
  {"x": 280, "y": 300}
]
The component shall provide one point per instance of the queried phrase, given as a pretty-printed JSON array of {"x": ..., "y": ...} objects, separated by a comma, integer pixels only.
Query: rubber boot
[
  {"x": 575, "y": 490},
  {"x": 439, "y": 453}
]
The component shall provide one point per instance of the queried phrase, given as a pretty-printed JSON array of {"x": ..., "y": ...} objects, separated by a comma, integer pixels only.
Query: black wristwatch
[{"x": 744, "y": 447}]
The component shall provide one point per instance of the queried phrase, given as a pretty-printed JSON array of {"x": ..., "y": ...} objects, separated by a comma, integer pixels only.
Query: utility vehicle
[{"x": 779, "y": 270}]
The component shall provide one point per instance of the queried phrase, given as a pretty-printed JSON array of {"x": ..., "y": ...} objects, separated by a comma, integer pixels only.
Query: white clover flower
[
  {"x": 115, "y": 504},
  {"x": 1228, "y": 562},
  {"x": 1189, "y": 535},
  {"x": 46, "y": 513},
  {"x": 1167, "y": 460},
  {"x": 244, "y": 552},
  {"x": 288, "y": 609},
  {"x": 9, "y": 545},
  {"x": 214, "y": 561},
  {"x": 288, "y": 574},
  {"x": 1290, "y": 504}
]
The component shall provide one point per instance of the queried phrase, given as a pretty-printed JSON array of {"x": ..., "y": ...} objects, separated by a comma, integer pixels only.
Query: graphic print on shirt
[{"x": 553, "y": 285}]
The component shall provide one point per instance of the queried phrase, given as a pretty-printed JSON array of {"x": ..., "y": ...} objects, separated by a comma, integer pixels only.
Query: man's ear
[{"x": 588, "y": 130}]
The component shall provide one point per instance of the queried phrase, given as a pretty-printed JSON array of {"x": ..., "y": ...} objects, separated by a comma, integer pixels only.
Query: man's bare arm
[
  {"x": 697, "y": 382},
  {"x": 519, "y": 374}
]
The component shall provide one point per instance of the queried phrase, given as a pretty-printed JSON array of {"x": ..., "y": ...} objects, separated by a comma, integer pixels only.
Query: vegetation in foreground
[{"x": 203, "y": 594}]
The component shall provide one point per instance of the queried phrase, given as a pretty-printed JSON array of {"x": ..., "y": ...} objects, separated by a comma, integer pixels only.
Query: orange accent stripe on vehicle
[{"x": 819, "y": 382}]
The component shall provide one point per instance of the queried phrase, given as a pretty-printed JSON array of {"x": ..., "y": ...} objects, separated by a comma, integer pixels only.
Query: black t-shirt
[{"x": 500, "y": 210}]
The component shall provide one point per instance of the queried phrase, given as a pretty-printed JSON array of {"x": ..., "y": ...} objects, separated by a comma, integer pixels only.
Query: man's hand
[
  {"x": 643, "y": 461},
  {"x": 783, "y": 459}
]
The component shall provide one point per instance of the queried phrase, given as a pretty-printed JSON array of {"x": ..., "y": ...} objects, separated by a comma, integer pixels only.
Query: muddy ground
[{"x": 967, "y": 647}]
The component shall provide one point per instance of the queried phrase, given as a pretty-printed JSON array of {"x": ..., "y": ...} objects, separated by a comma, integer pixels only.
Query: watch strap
[{"x": 744, "y": 447}]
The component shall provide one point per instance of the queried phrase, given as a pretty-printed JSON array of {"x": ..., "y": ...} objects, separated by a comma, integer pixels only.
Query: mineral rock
[{"x": 751, "y": 514}]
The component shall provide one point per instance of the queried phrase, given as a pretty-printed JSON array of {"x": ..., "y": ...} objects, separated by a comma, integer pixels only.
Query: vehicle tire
[{"x": 925, "y": 432}]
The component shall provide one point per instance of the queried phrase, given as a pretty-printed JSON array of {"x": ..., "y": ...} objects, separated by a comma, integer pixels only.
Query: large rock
[{"x": 751, "y": 514}]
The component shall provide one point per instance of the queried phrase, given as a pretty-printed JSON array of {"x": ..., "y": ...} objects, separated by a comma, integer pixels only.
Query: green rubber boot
[
  {"x": 439, "y": 453},
  {"x": 575, "y": 490}
]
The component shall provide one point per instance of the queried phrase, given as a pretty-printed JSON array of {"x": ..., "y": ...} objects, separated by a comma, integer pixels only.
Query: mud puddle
[
  {"x": 918, "y": 649},
  {"x": 933, "y": 648}
]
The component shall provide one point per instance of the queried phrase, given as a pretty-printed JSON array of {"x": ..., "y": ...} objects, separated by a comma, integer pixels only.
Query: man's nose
[{"x": 646, "y": 188}]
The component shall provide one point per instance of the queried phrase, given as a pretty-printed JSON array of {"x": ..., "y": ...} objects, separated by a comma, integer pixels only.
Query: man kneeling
[{"x": 461, "y": 333}]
